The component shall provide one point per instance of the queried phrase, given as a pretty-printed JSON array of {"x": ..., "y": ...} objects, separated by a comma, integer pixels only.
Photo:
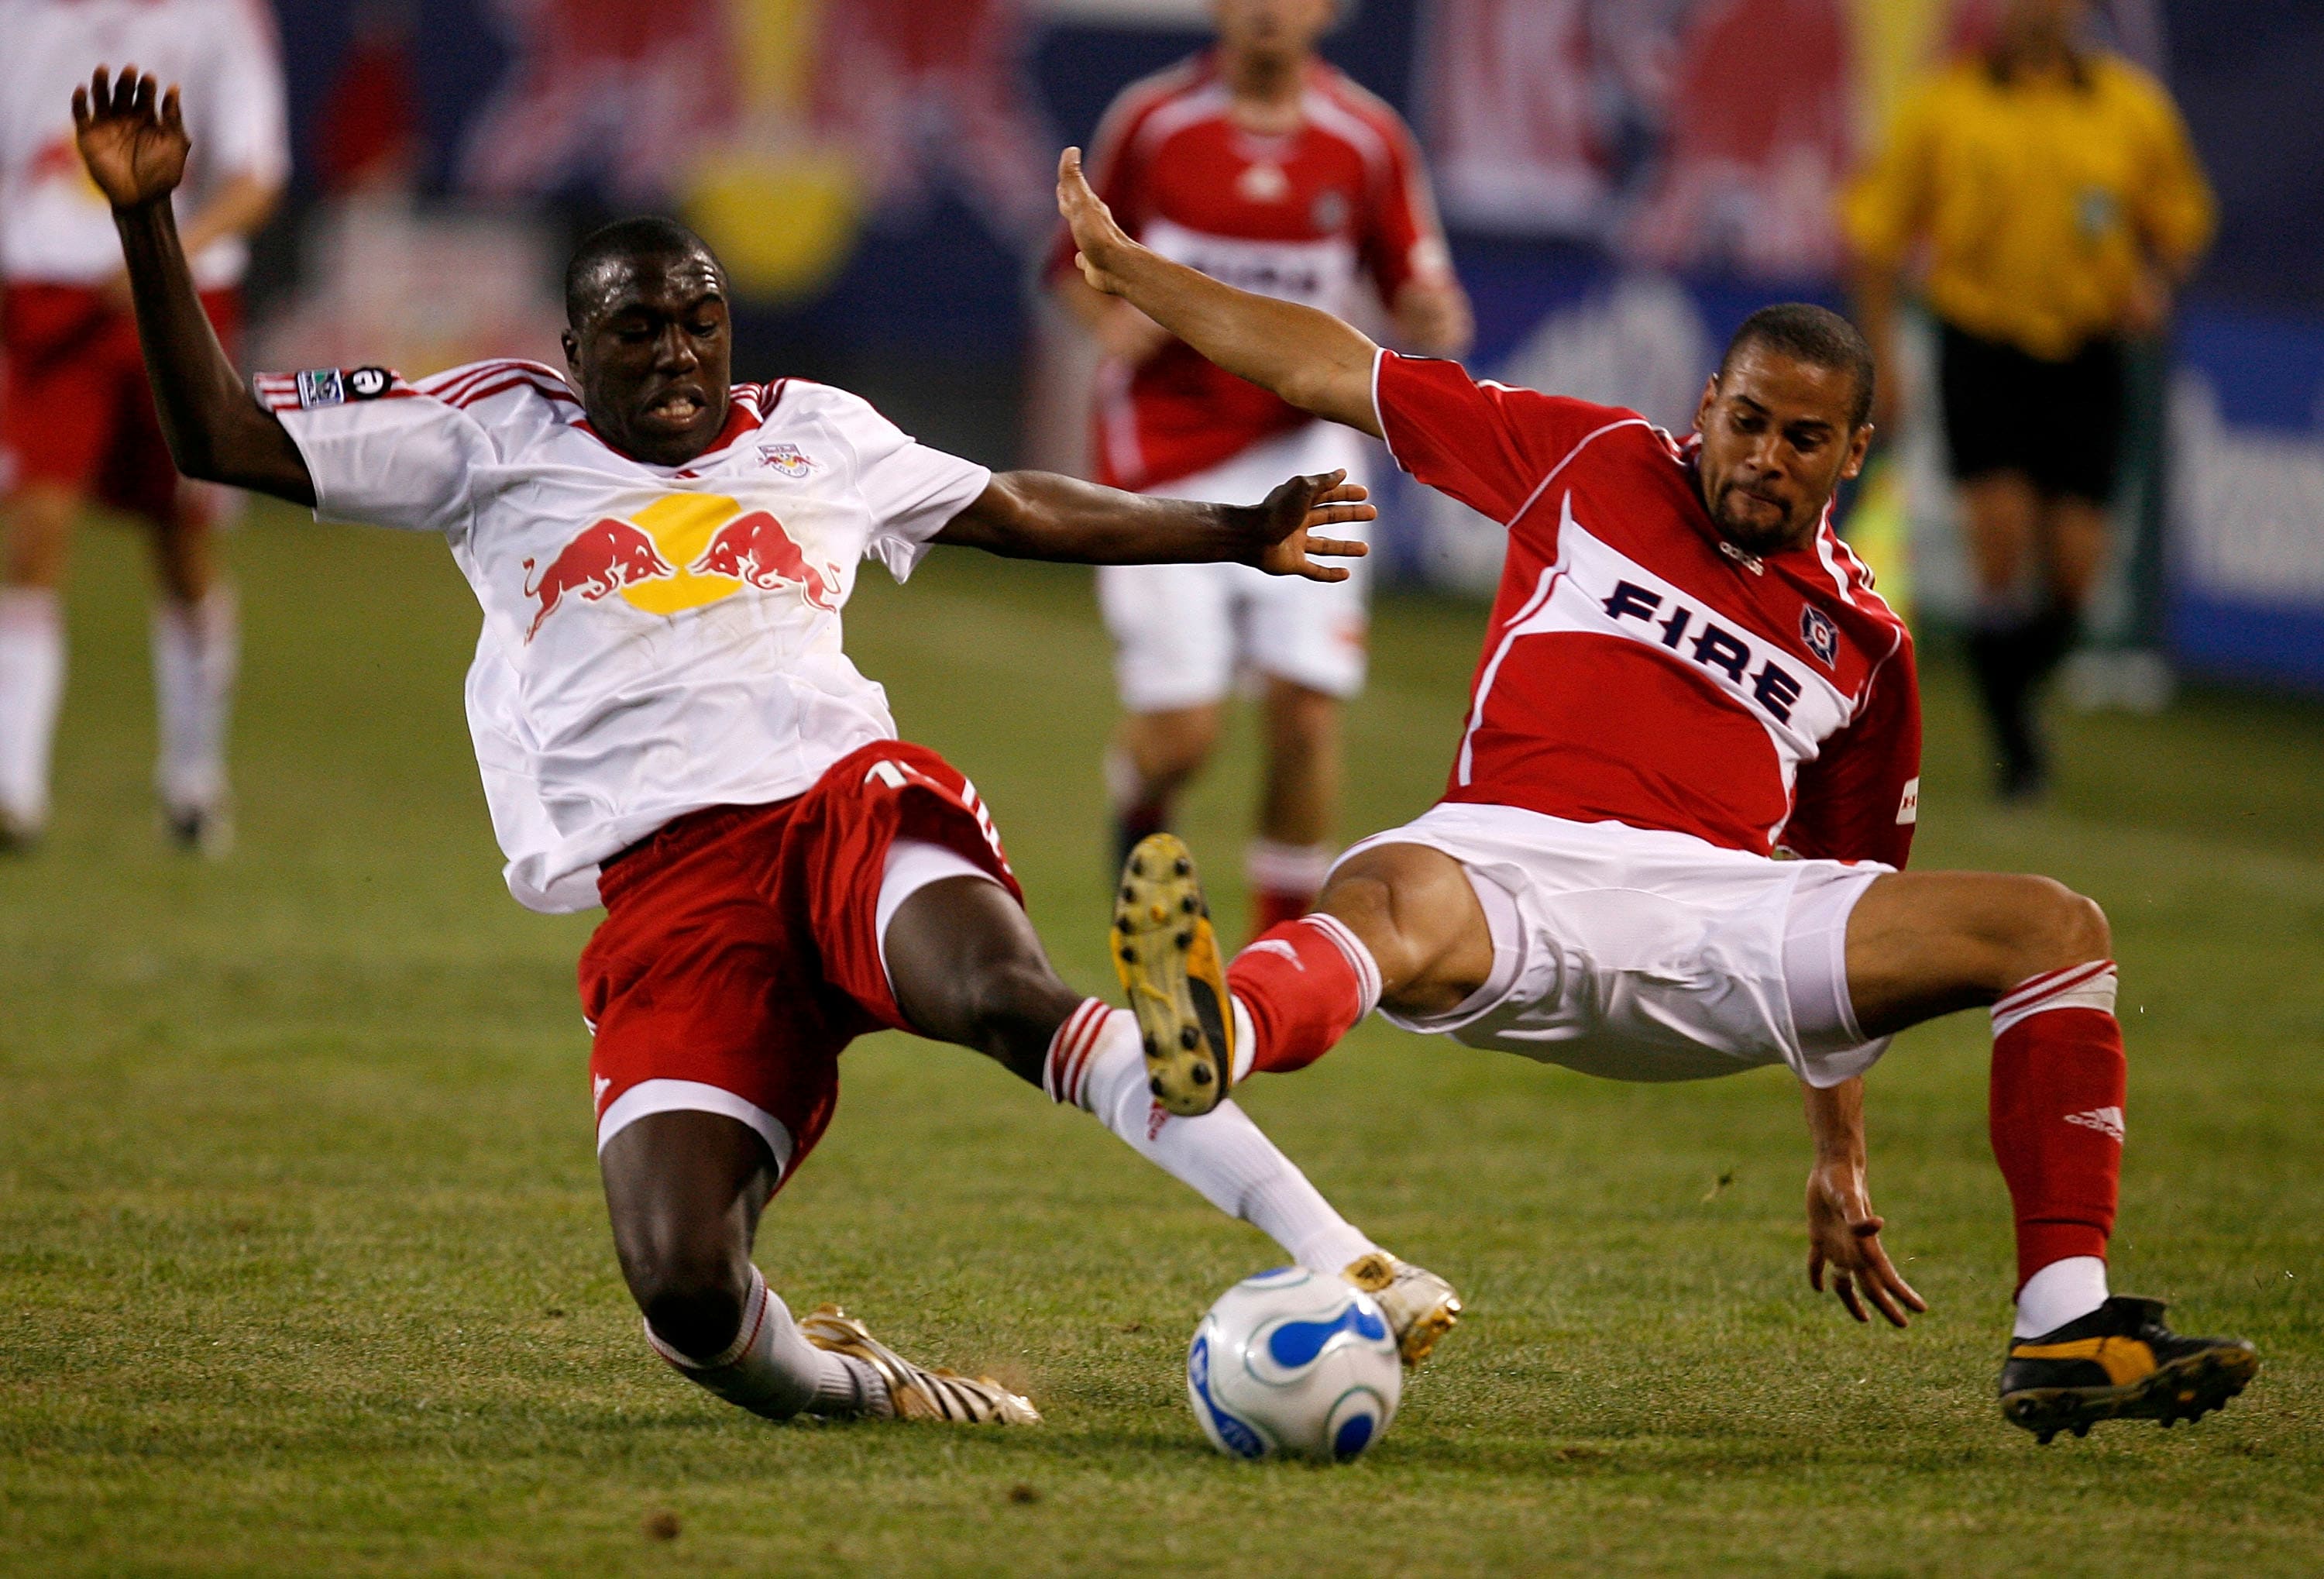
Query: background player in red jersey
[
  {"x": 1258, "y": 163},
  {"x": 666, "y": 722},
  {"x": 1686, "y": 675},
  {"x": 75, "y": 421}
]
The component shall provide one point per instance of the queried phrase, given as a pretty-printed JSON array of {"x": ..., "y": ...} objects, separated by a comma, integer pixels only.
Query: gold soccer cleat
[
  {"x": 918, "y": 1392},
  {"x": 1167, "y": 957},
  {"x": 1421, "y": 1307}
]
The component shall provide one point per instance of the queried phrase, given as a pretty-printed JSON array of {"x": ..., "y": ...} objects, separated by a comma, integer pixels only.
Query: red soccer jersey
[
  {"x": 1294, "y": 216},
  {"x": 1640, "y": 668}
]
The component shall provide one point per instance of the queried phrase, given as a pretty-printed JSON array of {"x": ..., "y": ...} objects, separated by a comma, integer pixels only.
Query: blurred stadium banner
[{"x": 1625, "y": 180}]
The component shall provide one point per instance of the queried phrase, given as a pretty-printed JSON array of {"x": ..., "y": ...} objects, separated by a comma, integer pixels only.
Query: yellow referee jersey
[{"x": 2037, "y": 199}]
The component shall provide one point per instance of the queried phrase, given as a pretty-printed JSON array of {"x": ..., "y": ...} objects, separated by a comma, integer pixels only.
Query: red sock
[
  {"x": 1304, "y": 984},
  {"x": 2058, "y": 1077},
  {"x": 1271, "y": 907}
]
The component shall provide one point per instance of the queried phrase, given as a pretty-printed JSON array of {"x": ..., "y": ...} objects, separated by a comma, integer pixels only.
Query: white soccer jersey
[
  {"x": 55, "y": 225},
  {"x": 656, "y": 639}
]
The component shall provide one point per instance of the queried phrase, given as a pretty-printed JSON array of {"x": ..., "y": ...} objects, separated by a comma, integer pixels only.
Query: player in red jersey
[
  {"x": 1686, "y": 675},
  {"x": 76, "y": 423},
  {"x": 667, "y": 722},
  {"x": 1257, "y": 163}
]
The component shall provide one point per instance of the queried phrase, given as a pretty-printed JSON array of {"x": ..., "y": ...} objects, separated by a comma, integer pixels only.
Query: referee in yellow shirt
[{"x": 2048, "y": 199}]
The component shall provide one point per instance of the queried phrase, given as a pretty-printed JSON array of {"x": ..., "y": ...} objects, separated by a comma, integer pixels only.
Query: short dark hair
[
  {"x": 1816, "y": 336},
  {"x": 643, "y": 236}
]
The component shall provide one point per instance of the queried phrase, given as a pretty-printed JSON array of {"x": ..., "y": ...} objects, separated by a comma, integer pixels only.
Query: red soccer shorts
[
  {"x": 77, "y": 411},
  {"x": 739, "y": 954}
]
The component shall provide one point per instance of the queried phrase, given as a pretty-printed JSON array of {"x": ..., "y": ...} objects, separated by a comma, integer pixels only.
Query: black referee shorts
[{"x": 2059, "y": 422}]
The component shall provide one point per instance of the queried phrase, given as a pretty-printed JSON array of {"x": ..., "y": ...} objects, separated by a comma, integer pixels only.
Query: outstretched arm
[
  {"x": 1842, "y": 1233},
  {"x": 1040, "y": 515},
  {"x": 1310, "y": 358},
  {"x": 218, "y": 431}
]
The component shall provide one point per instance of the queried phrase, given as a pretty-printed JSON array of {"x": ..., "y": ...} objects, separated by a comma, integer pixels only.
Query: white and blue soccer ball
[{"x": 1294, "y": 1364}]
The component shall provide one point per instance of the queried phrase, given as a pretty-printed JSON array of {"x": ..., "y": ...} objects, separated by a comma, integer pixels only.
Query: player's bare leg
[
  {"x": 40, "y": 520},
  {"x": 1924, "y": 944},
  {"x": 1153, "y": 757},
  {"x": 1299, "y": 801},
  {"x": 197, "y": 649},
  {"x": 685, "y": 1191},
  {"x": 968, "y": 969}
]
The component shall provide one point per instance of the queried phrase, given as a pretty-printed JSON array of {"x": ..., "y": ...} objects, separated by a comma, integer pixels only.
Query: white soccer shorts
[
  {"x": 1182, "y": 632},
  {"x": 1647, "y": 956}
]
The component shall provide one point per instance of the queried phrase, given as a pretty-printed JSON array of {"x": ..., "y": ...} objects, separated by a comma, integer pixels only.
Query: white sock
[
  {"x": 2060, "y": 1293},
  {"x": 1095, "y": 1064},
  {"x": 196, "y": 647},
  {"x": 1272, "y": 866},
  {"x": 770, "y": 1370},
  {"x": 32, "y": 684}
]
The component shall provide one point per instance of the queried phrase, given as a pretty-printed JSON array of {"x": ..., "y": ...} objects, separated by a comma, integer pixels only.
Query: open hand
[
  {"x": 1096, "y": 237},
  {"x": 1844, "y": 1236},
  {"x": 136, "y": 151},
  {"x": 1283, "y": 526}
]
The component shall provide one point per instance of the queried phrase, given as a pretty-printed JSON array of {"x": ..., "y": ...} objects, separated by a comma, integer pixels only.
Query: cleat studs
[
  {"x": 1153, "y": 1048},
  {"x": 1155, "y": 1086},
  {"x": 2042, "y": 1438},
  {"x": 1185, "y": 940},
  {"x": 1136, "y": 866},
  {"x": 1188, "y": 904},
  {"x": 1200, "y": 1075},
  {"x": 2081, "y": 1427},
  {"x": 1189, "y": 1037},
  {"x": 1129, "y": 894},
  {"x": 1183, "y": 867},
  {"x": 1130, "y": 956}
]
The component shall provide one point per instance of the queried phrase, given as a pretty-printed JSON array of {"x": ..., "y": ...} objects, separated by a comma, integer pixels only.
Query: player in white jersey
[
  {"x": 75, "y": 421},
  {"x": 1259, "y": 164},
  {"x": 667, "y": 722}
]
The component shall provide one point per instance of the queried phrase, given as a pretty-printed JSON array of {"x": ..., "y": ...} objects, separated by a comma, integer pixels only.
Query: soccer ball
[{"x": 1291, "y": 1362}]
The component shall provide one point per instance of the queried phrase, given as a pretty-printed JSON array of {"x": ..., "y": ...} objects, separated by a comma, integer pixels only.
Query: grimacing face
[
  {"x": 1279, "y": 28},
  {"x": 1776, "y": 440},
  {"x": 653, "y": 355}
]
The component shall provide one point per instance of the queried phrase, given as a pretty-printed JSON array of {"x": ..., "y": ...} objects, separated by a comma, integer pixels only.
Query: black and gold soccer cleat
[
  {"x": 2119, "y": 1363},
  {"x": 1167, "y": 957}
]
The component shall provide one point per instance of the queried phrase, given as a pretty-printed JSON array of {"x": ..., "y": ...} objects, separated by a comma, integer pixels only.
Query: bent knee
[
  {"x": 692, "y": 1297},
  {"x": 1414, "y": 909},
  {"x": 2054, "y": 928}
]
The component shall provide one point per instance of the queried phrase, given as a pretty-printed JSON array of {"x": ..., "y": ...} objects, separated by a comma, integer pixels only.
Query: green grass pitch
[{"x": 303, "y": 1267}]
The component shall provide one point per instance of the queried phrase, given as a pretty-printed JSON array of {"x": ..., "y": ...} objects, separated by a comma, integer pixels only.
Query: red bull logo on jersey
[
  {"x": 602, "y": 559},
  {"x": 683, "y": 551},
  {"x": 756, "y": 549}
]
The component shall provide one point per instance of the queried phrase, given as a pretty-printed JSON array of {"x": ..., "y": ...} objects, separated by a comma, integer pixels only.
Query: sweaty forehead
[
  {"x": 1791, "y": 388},
  {"x": 662, "y": 280}
]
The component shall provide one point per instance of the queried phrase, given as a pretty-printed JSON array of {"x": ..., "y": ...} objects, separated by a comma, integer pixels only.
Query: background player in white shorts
[
  {"x": 1258, "y": 163},
  {"x": 1686, "y": 675},
  {"x": 75, "y": 420},
  {"x": 667, "y": 722}
]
